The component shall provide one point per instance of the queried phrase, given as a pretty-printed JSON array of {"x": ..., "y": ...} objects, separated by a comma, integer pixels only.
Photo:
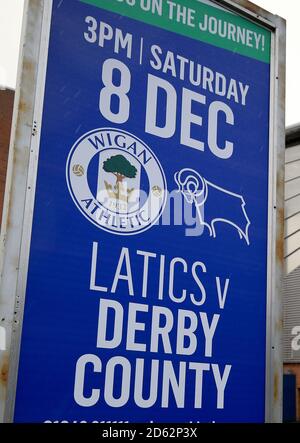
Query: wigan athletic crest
[{"x": 116, "y": 181}]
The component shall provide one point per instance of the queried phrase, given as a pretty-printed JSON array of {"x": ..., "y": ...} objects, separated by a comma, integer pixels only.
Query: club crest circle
[{"x": 116, "y": 181}]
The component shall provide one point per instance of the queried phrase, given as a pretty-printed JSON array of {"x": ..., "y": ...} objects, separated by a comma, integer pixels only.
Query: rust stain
[
  {"x": 252, "y": 7},
  {"x": 9, "y": 224},
  {"x": 281, "y": 218},
  {"x": 9, "y": 219},
  {"x": 280, "y": 237},
  {"x": 22, "y": 106},
  {"x": 276, "y": 387},
  {"x": 280, "y": 174},
  {"x": 279, "y": 325},
  {"x": 280, "y": 250},
  {"x": 28, "y": 66},
  {"x": 19, "y": 160},
  {"x": 4, "y": 371}
]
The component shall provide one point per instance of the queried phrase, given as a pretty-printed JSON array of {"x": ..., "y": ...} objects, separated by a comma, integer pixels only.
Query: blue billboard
[{"x": 146, "y": 286}]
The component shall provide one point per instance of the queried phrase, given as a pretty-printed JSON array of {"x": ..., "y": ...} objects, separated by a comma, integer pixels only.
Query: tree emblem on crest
[{"x": 121, "y": 168}]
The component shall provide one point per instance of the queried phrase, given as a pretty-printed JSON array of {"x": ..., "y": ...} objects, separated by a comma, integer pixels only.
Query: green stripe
[{"x": 240, "y": 32}]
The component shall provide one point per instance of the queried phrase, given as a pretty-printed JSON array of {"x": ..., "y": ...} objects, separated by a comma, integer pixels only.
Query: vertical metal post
[{"x": 16, "y": 184}]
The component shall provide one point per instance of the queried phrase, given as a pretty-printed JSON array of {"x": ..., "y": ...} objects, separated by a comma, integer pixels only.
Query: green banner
[{"x": 197, "y": 20}]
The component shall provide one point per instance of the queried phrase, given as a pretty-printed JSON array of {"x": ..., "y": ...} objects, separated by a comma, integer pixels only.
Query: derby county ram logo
[{"x": 116, "y": 181}]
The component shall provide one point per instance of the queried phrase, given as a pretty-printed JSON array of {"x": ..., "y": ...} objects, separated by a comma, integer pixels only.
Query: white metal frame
[{"x": 20, "y": 193}]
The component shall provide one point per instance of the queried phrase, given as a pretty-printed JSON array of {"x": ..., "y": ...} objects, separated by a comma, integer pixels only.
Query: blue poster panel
[{"x": 146, "y": 286}]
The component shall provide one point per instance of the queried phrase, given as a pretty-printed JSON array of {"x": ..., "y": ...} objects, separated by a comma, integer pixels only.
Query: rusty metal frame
[
  {"x": 274, "y": 350},
  {"x": 275, "y": 254},
  {"x": 20, "y": 192}
]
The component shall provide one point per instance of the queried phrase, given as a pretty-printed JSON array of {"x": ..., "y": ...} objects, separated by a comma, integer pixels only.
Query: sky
[{"x": 11, "y": 12}]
